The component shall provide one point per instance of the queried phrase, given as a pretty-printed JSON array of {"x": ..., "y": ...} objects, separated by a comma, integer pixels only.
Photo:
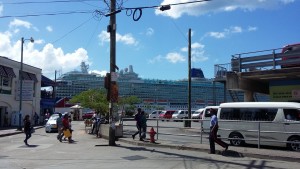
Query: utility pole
[
  {"x": 112, "y": 30},
  {"x": 188, "y": 123}
]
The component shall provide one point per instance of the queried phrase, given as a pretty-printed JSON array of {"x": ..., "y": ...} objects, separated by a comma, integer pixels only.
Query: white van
[
  {"x": 180, "y": 114},
  {"x": 197, "y": 114},
  {"x": 154, "y": 114},
  {"x": 206, "y": 117},
  {"x": 277, "y": 123}
]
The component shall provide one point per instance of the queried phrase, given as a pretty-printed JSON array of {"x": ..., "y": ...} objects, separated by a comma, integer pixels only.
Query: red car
[
  {"x": 167, "y": 114},
  {"x": 87, "y": 115},
  {"x": 293, "y": 49}
]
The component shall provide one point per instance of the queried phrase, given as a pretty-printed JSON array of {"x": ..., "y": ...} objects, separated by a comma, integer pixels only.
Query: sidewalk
[
  {"x": 13, "y": 130},
  {"x": 231, "y": 152}
]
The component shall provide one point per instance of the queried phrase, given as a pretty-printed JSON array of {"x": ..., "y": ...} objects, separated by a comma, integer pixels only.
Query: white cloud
[
  {"x": 102, "y": 73},
  {"x": 197, "y": 52},
  {"x": 150, "y": 32},
  {"x": 155, "y": 59},
  {"x": 49, "y": 28},
  {"x": 48, "y": 58},
  {"x": 204, "y": 7},
  {"x": 217, "y": 35},
  {"x": 20, "y": 23},
  {"x": 251, "y": 28},
  {"x": 127, "y": 39},
  {"x": 175, "y": 57},
  {"x": 1, "y": 9},
  {"x": 228, "y": 31}
]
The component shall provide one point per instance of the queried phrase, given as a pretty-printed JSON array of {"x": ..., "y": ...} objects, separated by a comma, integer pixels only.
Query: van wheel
[
  {"x": 236, "y": 139},
  {"x": 294, "y": 146}
]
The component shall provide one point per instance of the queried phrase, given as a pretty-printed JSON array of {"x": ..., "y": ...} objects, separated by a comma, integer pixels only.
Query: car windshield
[
  {"x": 176, "y": 112},
  {"x": 54, "y": 117}
]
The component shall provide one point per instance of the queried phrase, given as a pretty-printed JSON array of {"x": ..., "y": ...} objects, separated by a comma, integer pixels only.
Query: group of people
[
  {"x": 64, "y": 128},
  {"x": 141, "y": 124}
]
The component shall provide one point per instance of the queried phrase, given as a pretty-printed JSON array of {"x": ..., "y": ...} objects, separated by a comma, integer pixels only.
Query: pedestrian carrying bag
[{"x": 67, "y": 133}]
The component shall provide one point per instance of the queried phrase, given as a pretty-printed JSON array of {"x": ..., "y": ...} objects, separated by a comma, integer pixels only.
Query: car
[
  {"x": 167, "y": 114},
  {"x": 180, "y": 114},
  {"x": 154, "y": 114},
  {"x": 198, "y": 114},
  {"x": 87, "y": 115},
  {"x": 294, "y": 52},
  {"x": 51, "y": 125}
]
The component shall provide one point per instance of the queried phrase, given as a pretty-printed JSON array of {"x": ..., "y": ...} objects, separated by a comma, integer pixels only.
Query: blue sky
[{"x": 155, "y": 45}]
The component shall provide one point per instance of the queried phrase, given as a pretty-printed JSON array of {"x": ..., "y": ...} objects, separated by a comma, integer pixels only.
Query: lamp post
[{"x": 21, "y": 80}]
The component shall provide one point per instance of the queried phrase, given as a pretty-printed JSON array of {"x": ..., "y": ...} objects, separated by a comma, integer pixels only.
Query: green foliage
[
  {"x": 127, "y": 104},
  {"x": 93, "y": 99}
]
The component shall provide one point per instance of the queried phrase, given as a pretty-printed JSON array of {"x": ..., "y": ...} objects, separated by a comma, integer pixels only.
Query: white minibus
[{"x": 262, "y": 123}]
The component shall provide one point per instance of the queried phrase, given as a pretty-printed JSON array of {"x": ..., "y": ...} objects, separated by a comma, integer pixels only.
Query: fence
[{"x": 202, "y": 127}]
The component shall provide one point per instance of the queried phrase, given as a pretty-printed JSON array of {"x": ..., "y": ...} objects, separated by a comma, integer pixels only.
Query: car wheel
[
  {"x": 294, "y": 146},
  {"x": 236, "y": 139}
]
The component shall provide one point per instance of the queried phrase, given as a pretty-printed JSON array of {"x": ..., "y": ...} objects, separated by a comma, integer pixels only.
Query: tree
[
  {"x": 93, "y": 99},
  {"x": 127, "y": 104}
]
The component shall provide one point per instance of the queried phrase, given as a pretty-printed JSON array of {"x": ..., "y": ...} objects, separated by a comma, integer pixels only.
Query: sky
[{"x": 67, "y": 32}]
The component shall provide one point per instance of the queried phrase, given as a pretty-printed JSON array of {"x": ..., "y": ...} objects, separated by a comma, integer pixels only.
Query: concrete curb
[{"x": 233, "y": 152}]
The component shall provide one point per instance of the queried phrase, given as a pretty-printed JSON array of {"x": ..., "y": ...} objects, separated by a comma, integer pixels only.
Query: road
[{"x": 45, "y": 152}]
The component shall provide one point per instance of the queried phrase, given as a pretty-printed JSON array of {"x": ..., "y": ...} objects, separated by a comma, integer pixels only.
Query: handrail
[{"x": 202, "y": 129}]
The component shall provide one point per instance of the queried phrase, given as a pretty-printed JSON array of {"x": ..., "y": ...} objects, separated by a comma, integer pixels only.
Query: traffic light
[
  {"x": 107, "y": 81},
  {"x": 107, "y": 85}
]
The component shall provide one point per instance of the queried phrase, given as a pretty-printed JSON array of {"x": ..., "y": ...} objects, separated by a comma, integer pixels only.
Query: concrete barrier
[{"x": 104, "y": 129}]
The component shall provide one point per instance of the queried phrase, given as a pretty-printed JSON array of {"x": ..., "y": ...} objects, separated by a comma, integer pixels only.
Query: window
[
  {"x": 292, "y": 114},
  {"x": 248, "y": 114}
]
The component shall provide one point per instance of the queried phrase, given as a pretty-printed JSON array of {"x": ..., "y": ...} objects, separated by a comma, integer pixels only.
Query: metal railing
[{"x": 203, "y": 132}]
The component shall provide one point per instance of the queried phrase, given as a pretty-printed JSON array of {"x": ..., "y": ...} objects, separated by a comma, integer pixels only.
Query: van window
[
  {"x": 292, "y": 114},
  {"x": 249, "y": 114}
]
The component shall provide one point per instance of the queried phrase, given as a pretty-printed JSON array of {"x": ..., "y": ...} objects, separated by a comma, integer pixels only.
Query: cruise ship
[{"x": 153, "y": 93}]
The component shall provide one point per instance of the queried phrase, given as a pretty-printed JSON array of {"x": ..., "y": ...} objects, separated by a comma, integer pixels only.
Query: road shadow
[{"x": 29, "y": 146}]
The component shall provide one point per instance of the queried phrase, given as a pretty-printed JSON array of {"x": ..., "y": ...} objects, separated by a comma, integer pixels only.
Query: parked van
[
  {"x": 154, "y": 114},
  {"x": 180, "y": 114},
  {"x": 277, "y": 123},
  {"x": 198, "y": 114},
  {"x": 206, "y": 117}
]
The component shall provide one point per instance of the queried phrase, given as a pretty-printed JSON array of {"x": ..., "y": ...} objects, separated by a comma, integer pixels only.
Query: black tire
[
  {"x": 294, "y": 146},
  {"x": 235, "y": 139}
]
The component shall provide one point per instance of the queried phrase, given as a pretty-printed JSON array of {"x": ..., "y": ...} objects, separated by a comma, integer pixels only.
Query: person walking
[
  {"x": 36, "y": 119},
  {"x": 137, "y": 118},
  {"x": 67, "y": 128},
  {"x": 213, "y": 133},
  {"x": 143, "y": 126},
  {"x": 59, "y": 127},
  {"x": 27, "y": 128}
]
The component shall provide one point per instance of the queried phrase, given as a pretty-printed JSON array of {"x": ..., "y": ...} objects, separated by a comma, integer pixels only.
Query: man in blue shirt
[{"x": 213, "y": 133}]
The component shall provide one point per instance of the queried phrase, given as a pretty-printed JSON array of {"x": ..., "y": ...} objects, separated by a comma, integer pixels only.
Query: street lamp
[{"x": 21, "y": 80}]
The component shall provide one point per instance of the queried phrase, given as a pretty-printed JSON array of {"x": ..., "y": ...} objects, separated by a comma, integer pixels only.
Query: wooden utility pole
[
  {"x": 112, "y": 29},
  {"x": 188, "y": 123}
]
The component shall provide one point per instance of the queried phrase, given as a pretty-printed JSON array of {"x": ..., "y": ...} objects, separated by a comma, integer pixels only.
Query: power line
[
  {"x": 72, "y": 30},
  {"x": 47, "y": 14},
  {"x": 44, "y": 2}
]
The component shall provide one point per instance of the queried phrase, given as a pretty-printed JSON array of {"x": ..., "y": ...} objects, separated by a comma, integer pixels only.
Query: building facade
[{"x": 10, "y": 103}]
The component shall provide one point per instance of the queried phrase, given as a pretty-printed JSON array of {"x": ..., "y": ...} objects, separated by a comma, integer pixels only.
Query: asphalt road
[{"x": 46, "y": 152}]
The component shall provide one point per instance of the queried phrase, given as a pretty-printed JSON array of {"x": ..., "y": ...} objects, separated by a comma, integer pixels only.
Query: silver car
[{"x": 51, "y": 125}]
